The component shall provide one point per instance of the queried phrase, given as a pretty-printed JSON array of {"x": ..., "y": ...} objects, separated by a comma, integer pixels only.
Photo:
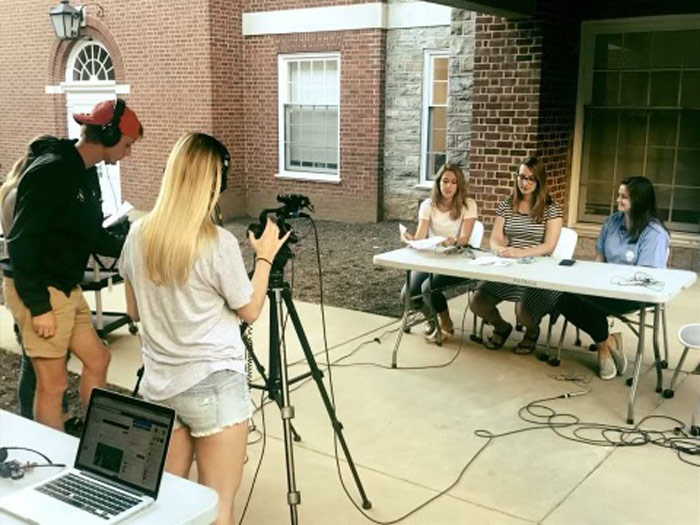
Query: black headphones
[
  {"x": 223, "y": 154},
  {"x": 110, "y": 133}
]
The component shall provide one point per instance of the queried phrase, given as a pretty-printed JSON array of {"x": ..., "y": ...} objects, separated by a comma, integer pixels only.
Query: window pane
[
  {"x": 332, "y": 82},
  {"x": 663, "y": 128},
  {"x": 665, "y": 49},
  {"x": 633, "y": 91},
  {"x": 605, "y": 89},
  {"x": 690, "y": 90},
  {"x": 608, "y": 52},
  {"x": 310, "y": 130},
  {"x": 688, "y": 167},
  {"x": 690, "y": 129},
  {"x": 691, "y": 48},
  {"x": 603, "y": 125},
  {"x": 601, "y": 163},
  {"x": 660, "y": 165},
  {"x": 439, "y": 93},
  {"x": 437, "y": 130},
  {"x": 630, "y": 162},
  {"x": 686, "y": 206},
  {"x": 598, "y": 198},
  {"x": 633, "y": 129},
  {"x": 440, "y": 69},
  {"x": 663, "y": 200},
  {"x": 635, "y": 53},
  {"x": 664, "y": 88}
]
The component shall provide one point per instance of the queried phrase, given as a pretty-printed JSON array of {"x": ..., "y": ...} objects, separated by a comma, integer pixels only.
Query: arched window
[{"x": 91, "y": 63}]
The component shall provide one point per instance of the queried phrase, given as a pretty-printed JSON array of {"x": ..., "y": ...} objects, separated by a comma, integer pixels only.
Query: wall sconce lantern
[{"x": 67, "y": 20}]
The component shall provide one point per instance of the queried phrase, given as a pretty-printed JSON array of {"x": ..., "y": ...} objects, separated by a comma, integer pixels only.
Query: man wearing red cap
[{"x": 57, "y": 224}]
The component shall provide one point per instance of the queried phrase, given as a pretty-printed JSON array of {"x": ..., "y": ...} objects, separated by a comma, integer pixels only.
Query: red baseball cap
[{"x": 103, "y": 113}]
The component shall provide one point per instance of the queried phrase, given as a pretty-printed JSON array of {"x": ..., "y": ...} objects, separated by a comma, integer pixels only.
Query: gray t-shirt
[{"x": 189, "y": 331}]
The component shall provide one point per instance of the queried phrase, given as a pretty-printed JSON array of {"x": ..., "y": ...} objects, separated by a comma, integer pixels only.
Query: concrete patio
[{"x": 411, "y": 430}]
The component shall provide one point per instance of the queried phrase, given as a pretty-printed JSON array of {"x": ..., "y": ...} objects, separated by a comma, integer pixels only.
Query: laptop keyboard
[{"x": 88, "y": 496}]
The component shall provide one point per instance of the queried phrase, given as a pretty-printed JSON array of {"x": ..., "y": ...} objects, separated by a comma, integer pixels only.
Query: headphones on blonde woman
[{"x": 223, "y": 155}]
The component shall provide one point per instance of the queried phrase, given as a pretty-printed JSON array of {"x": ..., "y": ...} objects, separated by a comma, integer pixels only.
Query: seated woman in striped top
[
  {"x": 634, "y": 235},
  {"x": 527, "y": 224},
  {"x": 447, "y": 213}
]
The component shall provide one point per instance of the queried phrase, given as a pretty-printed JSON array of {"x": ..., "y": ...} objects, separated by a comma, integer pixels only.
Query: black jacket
[{"x": 57, "y": 225}]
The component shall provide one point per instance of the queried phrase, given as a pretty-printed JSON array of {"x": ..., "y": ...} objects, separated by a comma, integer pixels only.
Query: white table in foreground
[
  {"x": 179, "y": 502},
  {"x": 584, "y": 277}
]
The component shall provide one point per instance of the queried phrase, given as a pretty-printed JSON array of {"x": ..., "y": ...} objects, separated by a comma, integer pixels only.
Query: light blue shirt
[{"x": 615, "y": 244}]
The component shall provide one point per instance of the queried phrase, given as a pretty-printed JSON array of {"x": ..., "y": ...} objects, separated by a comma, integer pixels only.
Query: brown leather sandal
[
  {"x": 498, "y": 339},
  {"x": 528, "y": 344}
]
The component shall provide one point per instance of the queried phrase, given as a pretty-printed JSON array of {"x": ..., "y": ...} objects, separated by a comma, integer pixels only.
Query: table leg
[
  {"x": 657, "y": 354},
  {"x": 404, "y": 319},
  {"x": 637, "y": 365}
]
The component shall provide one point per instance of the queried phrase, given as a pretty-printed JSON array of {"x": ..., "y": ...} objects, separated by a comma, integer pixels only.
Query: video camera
[{"x": 292, "y": 206}]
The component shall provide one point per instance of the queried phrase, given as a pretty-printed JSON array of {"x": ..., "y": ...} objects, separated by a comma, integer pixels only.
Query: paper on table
[
  {"x": 124, "y": 208},
  {"x": 491, "y": 260},
  {"x": 422, "y": 244}
]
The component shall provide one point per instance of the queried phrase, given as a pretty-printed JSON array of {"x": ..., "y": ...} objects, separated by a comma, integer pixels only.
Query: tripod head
[{"x": 292, "y": 206}]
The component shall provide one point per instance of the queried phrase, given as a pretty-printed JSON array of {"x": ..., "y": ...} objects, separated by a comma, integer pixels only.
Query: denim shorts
[{"x": 220, "y": 400}]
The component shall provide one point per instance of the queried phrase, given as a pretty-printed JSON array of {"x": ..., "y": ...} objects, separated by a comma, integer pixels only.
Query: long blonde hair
[
  {"x": 15, "y": 174},
  {"x": 460, "y": 198},
  {"x": 174, "y": 233}
]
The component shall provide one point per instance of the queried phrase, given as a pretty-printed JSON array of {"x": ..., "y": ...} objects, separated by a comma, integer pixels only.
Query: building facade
[{"x": 357, "y": 103}]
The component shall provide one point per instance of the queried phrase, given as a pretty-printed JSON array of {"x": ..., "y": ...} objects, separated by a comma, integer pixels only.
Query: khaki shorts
[{"x": 72, "y": 313}]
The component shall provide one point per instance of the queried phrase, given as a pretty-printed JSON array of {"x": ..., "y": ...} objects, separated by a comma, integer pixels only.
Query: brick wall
[
  {"x": 357, "y": 196},
  {"x": 505, "y": 101}
]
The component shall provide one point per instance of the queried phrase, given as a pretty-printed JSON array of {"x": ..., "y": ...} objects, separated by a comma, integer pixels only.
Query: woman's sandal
[
  {"x": 528, "y": 344},
  {"x": 498, "y": 339}
]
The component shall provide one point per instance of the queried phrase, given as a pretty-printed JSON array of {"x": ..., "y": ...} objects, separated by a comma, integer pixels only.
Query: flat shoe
[
  {"x": 445, "y": 335},
  {"x": 498, "y": 339}
]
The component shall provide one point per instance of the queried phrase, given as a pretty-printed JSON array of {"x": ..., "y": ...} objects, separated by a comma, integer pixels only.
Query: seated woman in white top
[{"x": 447, "y": 213}]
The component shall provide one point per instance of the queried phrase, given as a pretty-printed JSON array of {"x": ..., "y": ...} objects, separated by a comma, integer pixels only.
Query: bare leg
[
  {"x": 95, "y": 358},
  {"x": 51, "y": 382},
  {"x": 220, "y": 464},
  {"x": 484, "y": 305},
  {"x": 180, "y": 453}
]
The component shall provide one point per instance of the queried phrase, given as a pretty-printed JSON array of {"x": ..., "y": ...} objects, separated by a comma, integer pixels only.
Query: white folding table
[
  {"x": 180, "y": 501},
  {"x": 584, "y": 277}
]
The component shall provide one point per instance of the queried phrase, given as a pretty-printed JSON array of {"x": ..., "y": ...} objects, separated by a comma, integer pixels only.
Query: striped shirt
[{"x": 520, "y": 229}]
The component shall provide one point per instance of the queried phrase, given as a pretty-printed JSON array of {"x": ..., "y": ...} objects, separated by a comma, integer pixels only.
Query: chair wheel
[
  {"x": 406, "y": 329},
  {"x": 542, "y": 356},
  {"x": 554, "y": 362},
  {"x": 476, "y": 339},
  {"x": 133, "y": 329},
  {"x": 664, "y": 364},
  {"x": 695, "y": 431},
  {"x": 668, "y": 393},
  {"x": 593, "y": 347},
  {"x": 628, "y": 382},
  {"x": 519, "y": 327},
  {"x": 577, "y": 342},
  {"x": 630, "y": 421}
]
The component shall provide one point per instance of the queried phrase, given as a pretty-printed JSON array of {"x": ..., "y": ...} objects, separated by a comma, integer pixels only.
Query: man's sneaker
[
  {"x": 608, "y": 369},
  {"x": 618, "y": 354}
]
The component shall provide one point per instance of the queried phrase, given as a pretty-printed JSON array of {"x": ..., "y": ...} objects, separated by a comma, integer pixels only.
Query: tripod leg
[
  {"x": 318, "y": 378},
  {"x": 286, "y": 410},
  {"x": 270, "y": 388}
]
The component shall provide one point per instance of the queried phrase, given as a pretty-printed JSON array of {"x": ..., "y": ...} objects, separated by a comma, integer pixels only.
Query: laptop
[{"x": 117, "y": 470}]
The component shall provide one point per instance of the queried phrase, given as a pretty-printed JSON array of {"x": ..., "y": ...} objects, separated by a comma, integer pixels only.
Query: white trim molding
[
  {"x": 108, "y": 86},
  {"x": 374, "y": 15}
]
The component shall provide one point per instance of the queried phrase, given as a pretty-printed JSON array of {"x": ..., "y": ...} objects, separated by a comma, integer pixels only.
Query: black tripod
[{"x": 277, "y": 385}]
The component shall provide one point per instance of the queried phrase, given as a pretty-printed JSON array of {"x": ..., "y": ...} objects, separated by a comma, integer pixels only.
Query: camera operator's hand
[
  {"x": 45, "y": 324},
  {"x": 269, "y": 243}
]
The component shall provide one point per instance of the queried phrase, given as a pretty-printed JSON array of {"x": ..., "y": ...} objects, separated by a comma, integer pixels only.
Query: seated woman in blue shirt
[{"x": 634, "y": 235}]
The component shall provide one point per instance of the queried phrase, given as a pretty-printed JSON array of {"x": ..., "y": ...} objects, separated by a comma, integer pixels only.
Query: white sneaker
[
  {"x": 607, "y": 368},
  {"x": 618, "y": 354}
]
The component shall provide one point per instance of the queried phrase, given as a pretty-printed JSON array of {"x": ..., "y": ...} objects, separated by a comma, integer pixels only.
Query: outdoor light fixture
[{"x": 67, "y": 20}]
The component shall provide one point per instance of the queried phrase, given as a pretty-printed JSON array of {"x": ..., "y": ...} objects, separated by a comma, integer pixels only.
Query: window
[
  {"x": 642, "y": 117},
  {"x": 309, "y": 88},
  {"x": 434, "y": 132},
  {"x": 92, "y": 63}
]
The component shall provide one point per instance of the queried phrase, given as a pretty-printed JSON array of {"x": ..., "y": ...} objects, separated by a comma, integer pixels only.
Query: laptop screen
[{"x": 125, "y": 440}]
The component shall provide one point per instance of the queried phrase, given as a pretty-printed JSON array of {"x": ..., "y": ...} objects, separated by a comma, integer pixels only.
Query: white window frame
[
  {"x": 589, "y": 31},
  {"x": 429, "y": 55},
  {"x": 283, "y": 78}
]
